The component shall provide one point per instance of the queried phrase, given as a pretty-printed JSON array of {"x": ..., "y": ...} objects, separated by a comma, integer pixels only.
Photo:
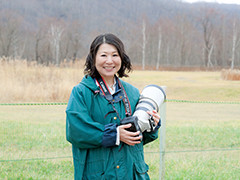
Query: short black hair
[{"x": 90, "y": 68}]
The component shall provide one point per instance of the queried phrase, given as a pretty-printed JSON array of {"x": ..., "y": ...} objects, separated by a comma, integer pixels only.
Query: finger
[
  {"x": 131, "y": 143},
  {"x": 150, "y": 112},
  {"x": 125, "y": 126},
  {"x": 153, "y": 111},
  {"x": 137, "y": 138},
  {"x": 155, "y": 118},
  {"x": 134, "y": 141},
  {"x": 135, "y": 133},
  {"x": 154, "y": 114},
  {"x": 131, "y": 135}
]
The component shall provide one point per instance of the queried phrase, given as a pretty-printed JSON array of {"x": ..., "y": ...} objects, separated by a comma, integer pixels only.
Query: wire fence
[
  {"x": 168, "y": 100},
  {"x": 33, "y": 132}
]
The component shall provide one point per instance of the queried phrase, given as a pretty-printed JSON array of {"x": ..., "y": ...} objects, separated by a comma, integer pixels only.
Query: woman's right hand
[{"x": 128, "y": 137}]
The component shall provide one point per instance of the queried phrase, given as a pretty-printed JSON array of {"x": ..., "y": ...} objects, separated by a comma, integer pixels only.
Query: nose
[{"x": 109, "y": 59}]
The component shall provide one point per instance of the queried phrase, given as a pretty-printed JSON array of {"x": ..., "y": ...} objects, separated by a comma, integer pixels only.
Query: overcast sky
[{"x": 219, "y": 1}]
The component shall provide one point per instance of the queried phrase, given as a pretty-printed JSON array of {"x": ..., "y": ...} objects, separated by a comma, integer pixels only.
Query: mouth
[{"x": 109, "y": 68}]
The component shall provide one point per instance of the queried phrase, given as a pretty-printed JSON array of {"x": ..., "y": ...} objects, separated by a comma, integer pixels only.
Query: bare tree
[
  {"x": 9, "y": 34},
  {"x": 167, "y": 30},
  {"x": 235, "y": 42},
  {"x": 55, "y": 33},
  {"x": 208, "y": 34},
  {"x": 144, "y": 43},
  {"x": 208, "y": 38},
  {"x": 209, "y": 58},
  {"x": 185, "y": 37},
  {"x": 39, "y": 36},
  {"x": 73, "y": 41},
  {"x": 159, "y": 47}
]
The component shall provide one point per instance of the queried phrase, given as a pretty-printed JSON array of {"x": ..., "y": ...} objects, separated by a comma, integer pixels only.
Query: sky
[{"x": 218, "y": 1}]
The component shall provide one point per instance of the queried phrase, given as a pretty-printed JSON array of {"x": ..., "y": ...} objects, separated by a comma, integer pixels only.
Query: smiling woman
[{"x": 103, "y": 146}]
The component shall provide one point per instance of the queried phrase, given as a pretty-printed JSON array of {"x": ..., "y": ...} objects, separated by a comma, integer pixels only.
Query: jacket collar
[{"x": 90, "y": 83}]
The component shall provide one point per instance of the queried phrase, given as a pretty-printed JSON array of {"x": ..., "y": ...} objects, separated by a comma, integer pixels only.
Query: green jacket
[{"x": 86, "y": 124}]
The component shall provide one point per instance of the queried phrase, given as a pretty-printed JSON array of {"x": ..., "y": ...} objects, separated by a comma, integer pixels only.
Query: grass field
[
  {"x": 202, "y": 139},
  {"x": 201, "y": 143}
]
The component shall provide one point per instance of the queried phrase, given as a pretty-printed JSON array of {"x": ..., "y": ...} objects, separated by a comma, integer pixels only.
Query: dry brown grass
[
  {"x": 23, "y": 81},
  {"x": 230, "y": 74}
]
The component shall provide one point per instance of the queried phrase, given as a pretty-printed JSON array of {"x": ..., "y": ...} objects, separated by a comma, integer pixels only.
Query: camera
[
  {"x": 131, "y": 120},
  {"x": 151, "y": 98}
]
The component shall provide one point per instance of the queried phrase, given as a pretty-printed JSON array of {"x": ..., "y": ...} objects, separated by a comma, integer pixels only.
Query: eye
[
  {"x": 115, "y": 55},
  {"x": 103, "y": 55}
]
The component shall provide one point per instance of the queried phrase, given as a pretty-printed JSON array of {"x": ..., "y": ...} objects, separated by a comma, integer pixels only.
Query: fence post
[{"x": 162, "y": 138}]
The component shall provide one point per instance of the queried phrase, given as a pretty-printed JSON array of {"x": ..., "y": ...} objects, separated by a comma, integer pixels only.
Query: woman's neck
[{"x": 109, "y": 81}]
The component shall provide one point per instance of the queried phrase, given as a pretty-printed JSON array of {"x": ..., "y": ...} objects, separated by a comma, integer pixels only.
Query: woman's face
[{"x": 108, "y": 61}]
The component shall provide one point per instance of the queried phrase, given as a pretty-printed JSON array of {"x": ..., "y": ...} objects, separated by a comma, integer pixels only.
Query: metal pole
[{"x": 162, "y": 138}]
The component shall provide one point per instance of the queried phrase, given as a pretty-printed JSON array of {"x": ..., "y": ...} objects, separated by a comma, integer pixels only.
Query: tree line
[{"x": 200, "y": 36}]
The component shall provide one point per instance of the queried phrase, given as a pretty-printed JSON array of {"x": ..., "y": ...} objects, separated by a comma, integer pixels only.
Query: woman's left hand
[{"x": 155, "y": 115}]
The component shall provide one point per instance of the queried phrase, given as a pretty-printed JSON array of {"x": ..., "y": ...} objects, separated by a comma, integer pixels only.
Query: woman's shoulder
[{"x": 87, "y": 84}]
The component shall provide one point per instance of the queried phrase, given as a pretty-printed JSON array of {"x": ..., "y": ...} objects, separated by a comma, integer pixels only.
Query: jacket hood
[{"x": 89, "y": 82}]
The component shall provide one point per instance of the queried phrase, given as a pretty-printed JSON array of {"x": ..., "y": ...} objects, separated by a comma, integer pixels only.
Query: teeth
[{"x": 108, "y": 67}]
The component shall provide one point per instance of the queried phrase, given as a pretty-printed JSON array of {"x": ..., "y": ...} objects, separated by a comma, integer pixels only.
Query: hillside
[
  {"x": 25, "y": 28},
  {"x": 96, "y": 14}
]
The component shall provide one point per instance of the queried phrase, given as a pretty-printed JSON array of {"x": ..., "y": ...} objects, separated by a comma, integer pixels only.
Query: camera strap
[{"x": 109, "y": 97}]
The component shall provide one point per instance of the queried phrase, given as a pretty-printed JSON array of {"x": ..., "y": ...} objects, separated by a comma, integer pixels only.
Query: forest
[{"x": 156, "y": 33}]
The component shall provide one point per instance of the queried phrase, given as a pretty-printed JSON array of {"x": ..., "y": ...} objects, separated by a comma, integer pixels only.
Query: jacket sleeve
[
  {"x": 149, "y": 136},
  {"x": 81, "y": 130}
]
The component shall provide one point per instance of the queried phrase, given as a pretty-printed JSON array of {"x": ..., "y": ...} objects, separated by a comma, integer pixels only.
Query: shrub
[{"x": 230, "y": 74}]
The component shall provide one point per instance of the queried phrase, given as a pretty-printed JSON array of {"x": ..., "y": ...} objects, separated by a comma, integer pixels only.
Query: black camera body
[
  {"x": 131, "y": 120},
  {"x": 134, "y": 121}
]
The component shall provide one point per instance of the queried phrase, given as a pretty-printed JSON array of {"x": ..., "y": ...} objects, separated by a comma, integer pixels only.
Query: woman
[{"x": 102, "y": 147}]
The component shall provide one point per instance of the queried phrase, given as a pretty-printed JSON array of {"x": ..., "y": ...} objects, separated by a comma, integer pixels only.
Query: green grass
[
  {"x": 38, "y": 169},
  {"x": 196, "y": 143},
  {"x": 202, "y": 139},
  {"x": 197, "y": 165},
  {"x": 202, "y": 142}
]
